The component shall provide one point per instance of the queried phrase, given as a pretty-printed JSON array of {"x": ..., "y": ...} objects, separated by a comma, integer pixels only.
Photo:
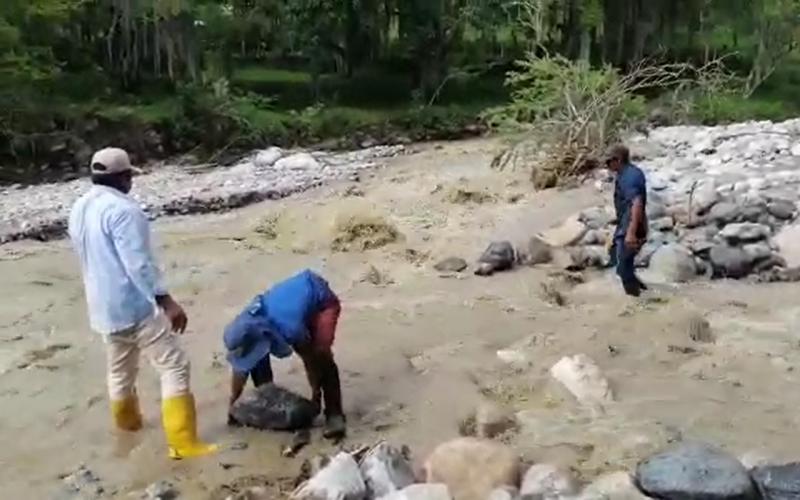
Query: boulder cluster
[
  {"x": 474, "y": 468},
  {"x": 722, "y": 203}
]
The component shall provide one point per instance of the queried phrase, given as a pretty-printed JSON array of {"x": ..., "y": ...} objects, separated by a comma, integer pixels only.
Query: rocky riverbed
[
  {"x": 725, "y": 197},
  {"x": 722, "y": 203},
  {"x": 39, "y": 212}
]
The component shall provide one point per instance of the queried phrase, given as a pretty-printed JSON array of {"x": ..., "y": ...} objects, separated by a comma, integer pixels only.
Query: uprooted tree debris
[{"x": 565, "y": 113}]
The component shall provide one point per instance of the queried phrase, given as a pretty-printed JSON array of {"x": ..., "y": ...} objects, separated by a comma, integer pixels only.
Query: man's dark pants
[{"x": 624, "y": 260}]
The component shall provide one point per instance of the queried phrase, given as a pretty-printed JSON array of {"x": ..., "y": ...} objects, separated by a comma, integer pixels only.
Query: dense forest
[{"x": 212, "y": 77}]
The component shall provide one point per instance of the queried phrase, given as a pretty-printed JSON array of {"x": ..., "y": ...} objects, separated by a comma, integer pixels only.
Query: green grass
[
  {"x": 374, "y": 88},
  {"x": 263, "y": 74},
  {"x": 147, "y": 113}
]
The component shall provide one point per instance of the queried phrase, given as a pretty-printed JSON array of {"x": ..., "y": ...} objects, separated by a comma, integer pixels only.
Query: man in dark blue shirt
[{"x": 630, "y": 200}]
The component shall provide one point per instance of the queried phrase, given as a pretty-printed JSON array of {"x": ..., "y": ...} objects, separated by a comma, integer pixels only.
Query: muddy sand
[{"x": 417, "y": 349}]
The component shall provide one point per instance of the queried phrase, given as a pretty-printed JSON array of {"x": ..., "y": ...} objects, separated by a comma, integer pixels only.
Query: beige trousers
[{"x": 152, "y": 337}]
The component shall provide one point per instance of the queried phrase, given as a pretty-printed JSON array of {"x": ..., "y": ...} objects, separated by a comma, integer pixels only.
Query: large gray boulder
[
  {"x": 674, "y": 263},
  {"x": 694, "y": 471},
  {"x": 778, "y": 482}
]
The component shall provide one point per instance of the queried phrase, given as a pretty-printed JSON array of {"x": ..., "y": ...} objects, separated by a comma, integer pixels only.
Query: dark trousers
[
  {"x": 322, "y": 372},
  {"x": 323, "y": 377},
  {"x": 262, "y": 373},
  {"x": 624, "y": 260}
]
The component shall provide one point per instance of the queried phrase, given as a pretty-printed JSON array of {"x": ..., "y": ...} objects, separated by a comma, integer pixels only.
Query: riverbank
[{"x": 40, "y": 212}]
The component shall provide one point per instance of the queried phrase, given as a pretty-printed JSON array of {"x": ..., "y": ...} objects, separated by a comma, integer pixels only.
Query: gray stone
[
  {"x": 340, "y": 478},
  {"x": 451, "y": 264},
  {"x": 778, "y": 482},
  {"x": 498, "y": 256},
  {"x": 568, "y": 233},
  {"x": 788, "y": 242},
  {"x": 781, "y": 209},
  {"x": 780, "y": 275},
  {"x": 694, "y": 471},
  {"x": 593, "y": 237},
  {"x": 596, "y": 218},
  {"x": 699, "y": 240},
  {"x": 504, "y": 493},
  {"x": 723, "y": 213},
  {"x": 704, "y": 197},
  {"x": 646, "y": 253},
  {"x": 753, "y": 212},
  {"x": 662, "y": 224},
  {"x": 702, "y": 268},
  {"x": 271, "y": 407},
  {"x": 656, "y": 208},
  {"x": 744, "y": 232},
  {"x": 757, "y": 251},
  {"x": 674, "y": 263},
  {"x": 612, "y": 486},
  {"x": 268, "y": 157},
  {"x": 768, "y": 263},
  {"x": 515, "y": 358},
  {"x": 547, "y": 482},
  {"x": 161, "y": 490},
  {"x": 433, "y": 491},
  {"x": 251, "y": 493},
  {"x": 534, "y": 252},
  {"x": 587, "y": 257},
  {"x": 729, "y": 262},
  {"x": 386, "y": 469},
  {"x": 83, "y": 483}
]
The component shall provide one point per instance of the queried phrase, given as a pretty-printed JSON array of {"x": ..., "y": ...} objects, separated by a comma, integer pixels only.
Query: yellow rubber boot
[
  {"x": 126, "y": 414},
  {"x": 179, "y": 418}
]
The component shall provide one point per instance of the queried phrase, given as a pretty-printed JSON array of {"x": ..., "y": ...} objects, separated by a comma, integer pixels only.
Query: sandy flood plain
[{"x": 417, "y": 348}]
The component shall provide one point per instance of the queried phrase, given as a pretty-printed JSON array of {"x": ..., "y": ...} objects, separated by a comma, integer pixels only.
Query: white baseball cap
[{"x": 112, "y": 161}]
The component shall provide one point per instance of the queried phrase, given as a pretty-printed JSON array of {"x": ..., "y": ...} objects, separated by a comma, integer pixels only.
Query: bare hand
[
  {"x": 175, "y": 314},
  {"x": 632, "y": 242}
]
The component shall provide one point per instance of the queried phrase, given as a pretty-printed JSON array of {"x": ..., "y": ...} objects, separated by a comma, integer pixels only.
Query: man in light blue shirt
[{"x": 128, "y": 303}]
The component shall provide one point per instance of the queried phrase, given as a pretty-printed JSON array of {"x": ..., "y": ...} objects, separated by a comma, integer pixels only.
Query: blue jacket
[
  {"x": 275, "y": 319},
  {"x": 630, "y": 184}
]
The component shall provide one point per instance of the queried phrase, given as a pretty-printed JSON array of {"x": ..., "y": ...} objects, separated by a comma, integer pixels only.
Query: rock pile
[
  {"x": 721, "y": 196},
  {"x": 40, "y": 211},
  {"x": 466, "y": 468},
  {"x": 722, "y": 202},
  {"x": 470, "y": 468}
]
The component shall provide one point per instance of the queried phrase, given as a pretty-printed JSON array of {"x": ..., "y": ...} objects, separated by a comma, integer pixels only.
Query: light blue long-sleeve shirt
[{"x": 111, "y": 235}]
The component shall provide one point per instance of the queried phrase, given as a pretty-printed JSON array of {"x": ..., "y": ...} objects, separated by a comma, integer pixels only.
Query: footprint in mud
[
  {"x": 246, "y": 487},
  {"x": 380, "y": 417},
  {"x": 35, "y": 356}
]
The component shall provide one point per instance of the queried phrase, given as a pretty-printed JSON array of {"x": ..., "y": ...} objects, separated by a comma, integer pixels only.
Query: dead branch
[{"x": 587, "y": 109}]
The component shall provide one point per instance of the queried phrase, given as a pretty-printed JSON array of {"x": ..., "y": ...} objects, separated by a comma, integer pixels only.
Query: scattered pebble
[
  {"x": 161, "y": 490},
  {"x": 451, "y": 265},
  {"x": 548, "y": 482},
  {"x": 584, "y": 379}
]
